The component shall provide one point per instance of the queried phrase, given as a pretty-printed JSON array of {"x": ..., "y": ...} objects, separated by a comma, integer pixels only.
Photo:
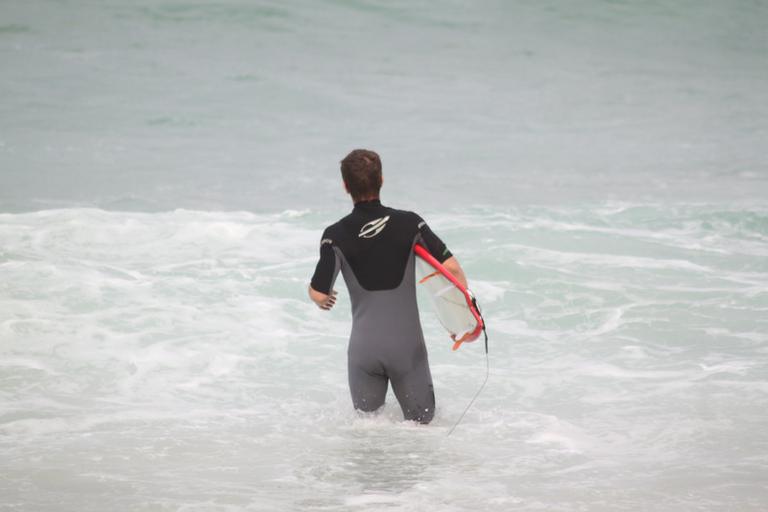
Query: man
[{"x": 373, "y": 248}]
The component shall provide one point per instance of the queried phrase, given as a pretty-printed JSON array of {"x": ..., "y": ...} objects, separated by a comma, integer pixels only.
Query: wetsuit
[{"x": 373, "y": 248}]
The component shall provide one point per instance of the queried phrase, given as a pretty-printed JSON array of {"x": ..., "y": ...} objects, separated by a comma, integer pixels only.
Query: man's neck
[{"x": 368, "y": 200}]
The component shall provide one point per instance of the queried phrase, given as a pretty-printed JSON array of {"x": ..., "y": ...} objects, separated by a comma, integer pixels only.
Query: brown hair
[{"x": 361, "y": 171}]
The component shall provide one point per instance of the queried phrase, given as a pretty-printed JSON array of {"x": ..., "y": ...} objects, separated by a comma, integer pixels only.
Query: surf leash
[{"x": 487, "y": 370}]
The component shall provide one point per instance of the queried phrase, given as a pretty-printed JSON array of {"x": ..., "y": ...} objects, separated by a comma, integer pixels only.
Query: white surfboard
[{"x": 454, "y": 305}]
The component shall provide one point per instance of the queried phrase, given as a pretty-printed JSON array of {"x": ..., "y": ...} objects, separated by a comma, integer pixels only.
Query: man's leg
[
  {"x": 368, "y": 386},
  {"x": 415, "y": 393}
]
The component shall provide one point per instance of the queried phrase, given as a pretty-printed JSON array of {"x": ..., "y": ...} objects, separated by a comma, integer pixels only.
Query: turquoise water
[
  {"x": 155, "y": 105},
  {"x": 166, "y": 170}
]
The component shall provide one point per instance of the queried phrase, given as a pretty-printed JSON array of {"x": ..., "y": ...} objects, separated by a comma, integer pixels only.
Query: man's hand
[{"x": 323, "y": 300}]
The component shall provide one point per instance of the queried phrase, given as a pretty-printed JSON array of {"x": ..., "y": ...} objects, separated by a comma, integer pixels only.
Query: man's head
[{"x": 361, "y": 171}]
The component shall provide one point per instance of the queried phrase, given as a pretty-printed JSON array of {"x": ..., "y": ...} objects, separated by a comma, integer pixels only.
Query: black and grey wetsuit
[{"x": 373, "y": 248}]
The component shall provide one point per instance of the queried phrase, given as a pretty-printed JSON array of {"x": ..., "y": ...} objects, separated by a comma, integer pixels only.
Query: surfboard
[{"x": 454, "y": 305}]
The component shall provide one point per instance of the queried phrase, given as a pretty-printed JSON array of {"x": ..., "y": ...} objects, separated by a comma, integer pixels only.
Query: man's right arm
[
  {"x": 440, "y": 252},
  {"x": 452, "y": 265}
]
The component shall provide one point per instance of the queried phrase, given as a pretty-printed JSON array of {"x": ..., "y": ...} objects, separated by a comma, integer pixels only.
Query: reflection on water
[{"x": 377, "y": 458}]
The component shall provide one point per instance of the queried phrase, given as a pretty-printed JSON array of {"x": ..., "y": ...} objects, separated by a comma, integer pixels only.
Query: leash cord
[{"x": 487, "y": 374}]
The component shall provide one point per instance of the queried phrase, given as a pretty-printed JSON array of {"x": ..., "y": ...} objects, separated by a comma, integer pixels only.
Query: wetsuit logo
[{"x": 373, "y": 228}]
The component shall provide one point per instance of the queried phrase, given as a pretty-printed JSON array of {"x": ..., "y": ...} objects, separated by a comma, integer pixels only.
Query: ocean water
[
  {"x": 167, "y": 168},
  {"x": 153, "y": 105}
]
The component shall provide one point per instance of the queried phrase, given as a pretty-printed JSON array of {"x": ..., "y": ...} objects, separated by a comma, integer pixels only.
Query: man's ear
[{"x": 346, "y": 188}]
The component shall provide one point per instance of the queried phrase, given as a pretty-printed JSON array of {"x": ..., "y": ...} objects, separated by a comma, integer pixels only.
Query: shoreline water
[{"x": 172, "y": 360}]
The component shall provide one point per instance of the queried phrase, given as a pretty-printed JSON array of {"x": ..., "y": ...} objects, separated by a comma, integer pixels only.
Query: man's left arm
[
  {"x": 323, "y": 300},
  {"x": 321, "y": 287}
]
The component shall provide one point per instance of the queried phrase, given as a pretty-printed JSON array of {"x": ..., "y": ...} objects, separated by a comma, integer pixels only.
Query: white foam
[{"x": 182, "y": 345}]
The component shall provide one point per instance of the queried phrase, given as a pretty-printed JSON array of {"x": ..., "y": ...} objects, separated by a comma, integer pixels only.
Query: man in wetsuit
[{"x": 373, "y": 248}]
